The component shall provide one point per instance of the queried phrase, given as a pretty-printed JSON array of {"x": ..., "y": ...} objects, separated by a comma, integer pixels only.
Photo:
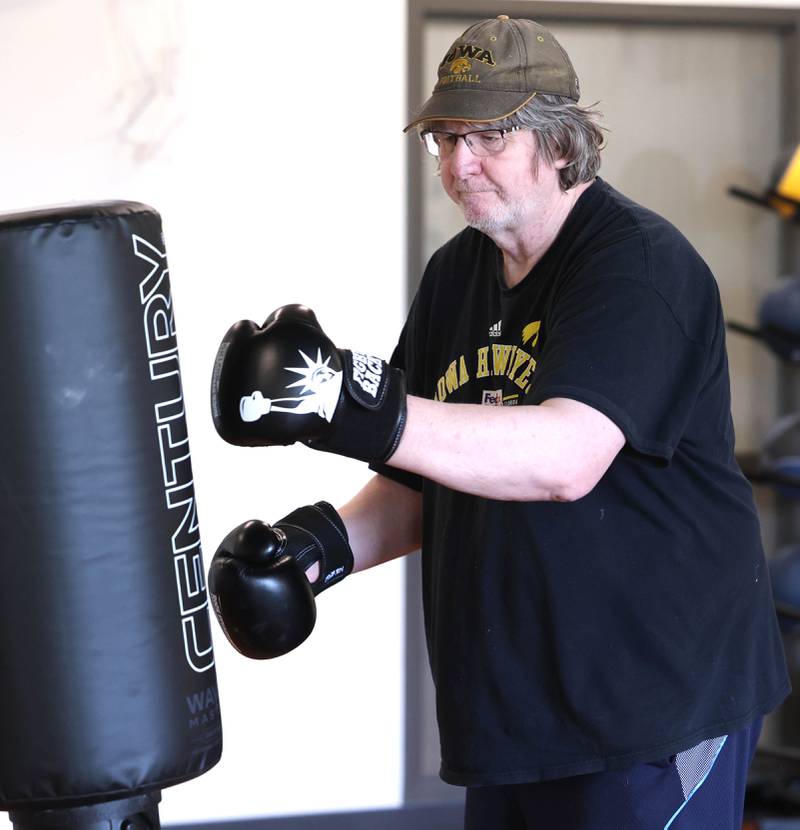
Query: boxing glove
[
  {"x": 257, "y": 581},
  {"x": 285, "y": 381}
]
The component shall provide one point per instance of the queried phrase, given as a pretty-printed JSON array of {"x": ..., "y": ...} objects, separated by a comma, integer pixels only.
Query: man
[{"x": 598, "y": 615}]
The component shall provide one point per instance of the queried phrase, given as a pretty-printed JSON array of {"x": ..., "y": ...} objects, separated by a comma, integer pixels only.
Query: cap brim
[{"x": 474, "y": 106}]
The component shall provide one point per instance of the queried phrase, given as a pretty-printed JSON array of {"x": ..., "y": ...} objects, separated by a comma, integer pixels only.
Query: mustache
[{"x": 465, "y": 187}]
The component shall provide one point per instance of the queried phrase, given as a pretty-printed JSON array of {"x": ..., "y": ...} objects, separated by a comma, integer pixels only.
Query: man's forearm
[
  {"x": 383, "y": 521},
  {"x": 553, "y": 452}
]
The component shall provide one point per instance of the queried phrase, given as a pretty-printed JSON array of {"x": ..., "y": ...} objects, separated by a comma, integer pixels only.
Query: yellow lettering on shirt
[
  {"x": 463, "y": 374},
  {"x": 451, "y": 377},
  {"x": 454, "y": 378},
  {"x": 522, "y": 379},
  {"x": 483, "y": 363},
  {"x": 503, "y": 360},
  {"x": 519, "y": 361},
  {"x": 500, "y": 355}
]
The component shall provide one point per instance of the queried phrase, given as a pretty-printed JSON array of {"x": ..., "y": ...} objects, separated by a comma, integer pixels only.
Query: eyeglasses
[{"x": 480, "y": 142}]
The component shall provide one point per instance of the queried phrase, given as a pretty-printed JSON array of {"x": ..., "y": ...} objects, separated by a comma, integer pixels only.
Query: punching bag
[{"x": 107, "y": 683}]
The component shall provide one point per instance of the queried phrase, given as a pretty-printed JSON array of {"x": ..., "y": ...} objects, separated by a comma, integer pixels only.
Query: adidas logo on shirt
[{"x": 496, "y": 330}]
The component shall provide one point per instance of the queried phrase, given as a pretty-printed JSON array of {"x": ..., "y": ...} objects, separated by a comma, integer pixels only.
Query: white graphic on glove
[{"x": 320, "y": 393}]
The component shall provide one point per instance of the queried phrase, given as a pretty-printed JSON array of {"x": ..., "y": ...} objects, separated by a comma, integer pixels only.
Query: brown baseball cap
[{"x": 494, "y": 68}]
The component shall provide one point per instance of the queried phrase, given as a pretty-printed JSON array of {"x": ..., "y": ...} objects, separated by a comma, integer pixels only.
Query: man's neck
[{"x": 523, "y": 247}]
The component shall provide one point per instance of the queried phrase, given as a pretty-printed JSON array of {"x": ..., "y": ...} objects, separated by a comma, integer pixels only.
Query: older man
[{"x": 598, "y": 614}]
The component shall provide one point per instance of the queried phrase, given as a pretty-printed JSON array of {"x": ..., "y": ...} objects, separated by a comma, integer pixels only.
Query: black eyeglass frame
[{"x": 466, "y": 136}]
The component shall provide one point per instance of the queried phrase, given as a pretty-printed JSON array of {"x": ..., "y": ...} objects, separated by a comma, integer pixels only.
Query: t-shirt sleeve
[{"x": 615, "y": 344}]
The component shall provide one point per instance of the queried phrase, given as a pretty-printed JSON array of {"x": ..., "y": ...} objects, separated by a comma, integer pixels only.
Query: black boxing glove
[
  {"x": 285, "y": 381},
  {"x": 257, "y": 581}
]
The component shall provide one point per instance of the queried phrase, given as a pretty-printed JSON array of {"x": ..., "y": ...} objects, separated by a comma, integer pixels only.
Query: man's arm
[
  {"x": 256, "y": 582},
  {"x": 556, "y": 451},
  {"x": 383, "y": 521}
]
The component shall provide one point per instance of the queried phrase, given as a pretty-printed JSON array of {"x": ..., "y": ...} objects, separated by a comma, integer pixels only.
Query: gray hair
[{"x": 562, "y": 129}]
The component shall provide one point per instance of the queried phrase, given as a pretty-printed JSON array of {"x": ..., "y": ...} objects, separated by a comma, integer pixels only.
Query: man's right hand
[
  {"x": 285, "y": 381},
  {"x": 257, "y": 580}
]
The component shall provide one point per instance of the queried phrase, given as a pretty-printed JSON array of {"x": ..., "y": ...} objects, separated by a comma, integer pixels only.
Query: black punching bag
[{"x": 107, "y": 683}]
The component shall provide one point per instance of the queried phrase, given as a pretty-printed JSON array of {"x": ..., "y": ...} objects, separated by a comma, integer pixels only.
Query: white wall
[{"x": 270, "y": 140}]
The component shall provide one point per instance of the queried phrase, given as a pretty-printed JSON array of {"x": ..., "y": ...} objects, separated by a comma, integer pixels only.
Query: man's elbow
[
  {"x": 577, "y": 475},
  {"x": 556, "y": 490},
  {"x": 573, "y": 487},
  {"x": 585, "y": 444}
]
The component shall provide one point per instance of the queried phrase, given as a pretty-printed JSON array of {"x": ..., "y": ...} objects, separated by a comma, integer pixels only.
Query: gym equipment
[
  {"x": 783, "y": 193},
  {"x": 108, "y": 689},
  {"x": 778, "y": 321}
]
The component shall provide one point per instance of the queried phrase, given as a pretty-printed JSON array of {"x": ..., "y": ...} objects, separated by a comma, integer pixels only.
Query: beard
[{"x": 491, "y": 215}]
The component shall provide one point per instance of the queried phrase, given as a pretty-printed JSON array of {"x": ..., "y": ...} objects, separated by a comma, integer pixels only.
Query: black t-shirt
[{"x": 567, "y": 638}]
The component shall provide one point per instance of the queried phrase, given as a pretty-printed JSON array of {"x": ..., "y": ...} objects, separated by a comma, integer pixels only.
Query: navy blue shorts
[{"x": 699, "y": 789}]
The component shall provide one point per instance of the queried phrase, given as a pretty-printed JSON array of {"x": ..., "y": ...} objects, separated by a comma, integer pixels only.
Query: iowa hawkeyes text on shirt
[{"x": 495, "y": 360}]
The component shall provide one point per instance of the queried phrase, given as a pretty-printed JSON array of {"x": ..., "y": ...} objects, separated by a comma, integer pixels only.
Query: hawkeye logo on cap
[
  {"x": 458, "y": 62},
  {"x": 460, "y": 66}
]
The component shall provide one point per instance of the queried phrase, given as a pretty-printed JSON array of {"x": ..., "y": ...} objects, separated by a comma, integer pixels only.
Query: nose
[{"x": 463, "y": 162}]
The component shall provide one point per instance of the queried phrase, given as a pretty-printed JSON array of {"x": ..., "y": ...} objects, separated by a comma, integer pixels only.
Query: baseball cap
[{"x": 494, "y": 68}]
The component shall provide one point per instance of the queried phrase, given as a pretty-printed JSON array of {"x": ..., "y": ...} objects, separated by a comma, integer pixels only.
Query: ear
[{"x": 560, "y": 164}]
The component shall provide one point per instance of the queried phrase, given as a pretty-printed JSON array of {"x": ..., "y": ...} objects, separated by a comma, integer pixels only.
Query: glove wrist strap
[
  {"x": 371, "y": 414},
  {"x": 316, "y": 533}
]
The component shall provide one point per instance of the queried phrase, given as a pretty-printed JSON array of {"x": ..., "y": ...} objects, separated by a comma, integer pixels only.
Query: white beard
[{"x": 499, "y": 217}]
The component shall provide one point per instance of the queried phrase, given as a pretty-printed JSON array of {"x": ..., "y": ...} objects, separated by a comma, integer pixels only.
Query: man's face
[{"x": 500, "y": 193}]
